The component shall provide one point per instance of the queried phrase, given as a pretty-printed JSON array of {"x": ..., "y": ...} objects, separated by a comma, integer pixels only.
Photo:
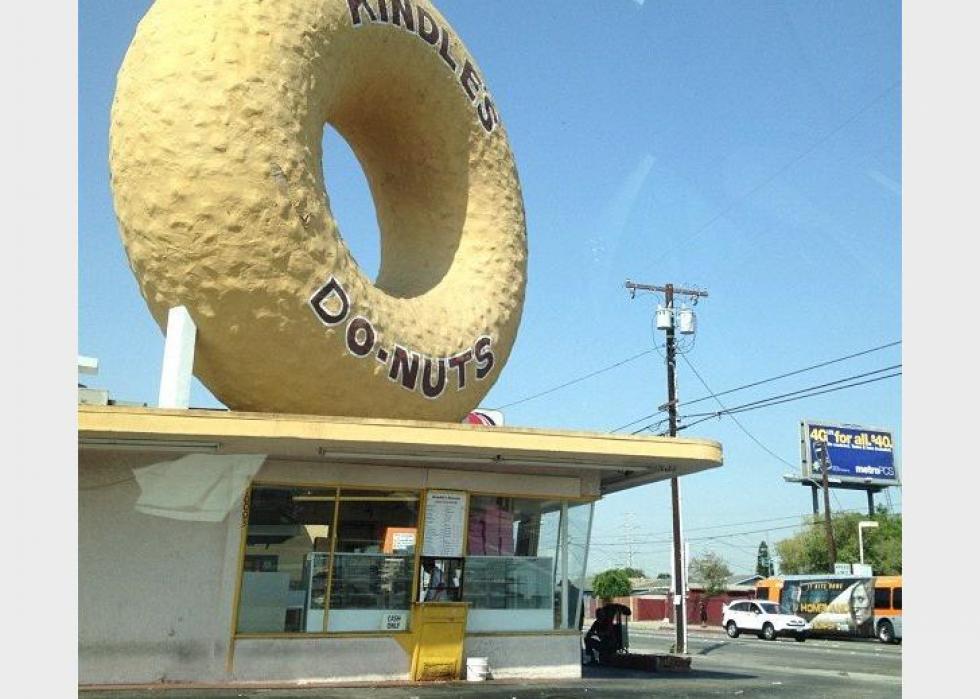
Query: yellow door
[{"x": 440, "y": 631}]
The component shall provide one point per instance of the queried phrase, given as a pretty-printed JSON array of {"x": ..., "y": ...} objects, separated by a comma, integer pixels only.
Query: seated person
[{"x": 603, "y": 637}]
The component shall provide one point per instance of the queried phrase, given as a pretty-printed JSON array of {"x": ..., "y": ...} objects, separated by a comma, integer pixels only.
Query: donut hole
[
  {"x": 409, "y": 124},
  {"x": 351, "y": 202}
]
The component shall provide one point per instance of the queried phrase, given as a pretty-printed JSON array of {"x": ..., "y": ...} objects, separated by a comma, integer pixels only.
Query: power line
[
  {"x": 719, "y": 537},
  {"x": 768, "y": 380},
  {"x": 574, "y": 381},
  {"x": 803, "y": 390},
  {"x": 655, "y": 541},
  {"x": 735, "y": 419},
  {"x": 769, "y": 402},
  {"x": 732, "y": 524},
  {"x": 652, "y": 537}
]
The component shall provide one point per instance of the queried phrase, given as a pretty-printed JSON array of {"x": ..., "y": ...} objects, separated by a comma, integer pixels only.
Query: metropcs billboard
[{"x": 855, "y": 454}]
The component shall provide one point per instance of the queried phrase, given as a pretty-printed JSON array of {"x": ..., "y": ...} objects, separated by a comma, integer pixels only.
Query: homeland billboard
[
  {"x": 853, "y": 454},
  {"x": 836, "y": 605}
]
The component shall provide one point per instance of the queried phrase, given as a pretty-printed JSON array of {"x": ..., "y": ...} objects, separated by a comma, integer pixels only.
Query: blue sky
[{"x": 751, "y": 149}]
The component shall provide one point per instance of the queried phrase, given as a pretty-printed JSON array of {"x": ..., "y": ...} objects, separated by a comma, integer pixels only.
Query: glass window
[
  {"x": 883, "y": 598},
  {"x": 292, "y": 556},
  {"x": 287, "y": 543},
  {"x": 373, "y": 561},
  {"x": 898, "y": 598},
  {"x": 512, "y": 550},
  {"x": 579, "y": 528},
  {"x": 440, "y": 579}
]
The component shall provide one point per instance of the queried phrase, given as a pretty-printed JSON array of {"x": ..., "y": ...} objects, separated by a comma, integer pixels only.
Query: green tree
[
  {"x": 611, "y": 583},
  {"x": 806, "y": 552},
  {"x": 634, "y": 572},
  {"x": 711, "y": 571},
  {"x": 763, "y": 563}
]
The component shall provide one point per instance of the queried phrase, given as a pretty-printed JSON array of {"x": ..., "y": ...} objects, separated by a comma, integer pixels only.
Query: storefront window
[
  {"x": 292, "y": 555},
  {"x": 578, "y": 532},
  {"x": 512, "y": 549},
  {"x": 342, "y": 560},
  {"x": 371, "y": 587},
  {"x": 287, "y": 545}
]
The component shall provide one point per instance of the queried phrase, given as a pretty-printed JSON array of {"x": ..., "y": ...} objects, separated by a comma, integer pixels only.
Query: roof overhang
[{"x": 621, "y": 461}]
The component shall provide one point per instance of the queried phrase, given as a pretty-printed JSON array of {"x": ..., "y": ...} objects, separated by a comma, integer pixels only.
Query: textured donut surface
[{"x": 216, "y": 168}]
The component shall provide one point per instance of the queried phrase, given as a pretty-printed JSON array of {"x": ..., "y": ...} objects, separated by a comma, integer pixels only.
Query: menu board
[{"x": 445, "y": 518}]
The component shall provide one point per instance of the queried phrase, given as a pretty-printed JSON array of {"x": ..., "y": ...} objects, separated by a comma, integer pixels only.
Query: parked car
[{"x": 762, "y": 618}]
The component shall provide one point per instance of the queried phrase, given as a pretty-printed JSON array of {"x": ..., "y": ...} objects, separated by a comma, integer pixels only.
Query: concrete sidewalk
[{"x": 597, "y": 682}]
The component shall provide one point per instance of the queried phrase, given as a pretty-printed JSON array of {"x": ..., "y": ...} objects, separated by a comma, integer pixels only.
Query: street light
[{"x": 861, "y": 527}]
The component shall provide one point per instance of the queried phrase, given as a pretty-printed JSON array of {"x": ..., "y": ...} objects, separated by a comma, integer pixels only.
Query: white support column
[
  {"x": 178, "y": 360},
  {"x": 563, "y": 538}
]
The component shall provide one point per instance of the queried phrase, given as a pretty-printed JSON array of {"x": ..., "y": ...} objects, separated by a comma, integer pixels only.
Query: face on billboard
[{"x": 831, "y": 605}]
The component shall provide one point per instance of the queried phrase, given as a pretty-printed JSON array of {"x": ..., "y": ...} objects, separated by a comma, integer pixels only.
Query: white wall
[
  {"x": 526, "y": 655},
  {"x": 369, "y": 659},
  {"x": 154, "y": 594}
]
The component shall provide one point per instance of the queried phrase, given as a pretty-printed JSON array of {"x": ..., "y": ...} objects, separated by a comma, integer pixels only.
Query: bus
[{"x": 840, "y": 605}]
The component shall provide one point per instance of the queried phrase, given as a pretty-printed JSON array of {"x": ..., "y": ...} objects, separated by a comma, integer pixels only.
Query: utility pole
[
  {"x": 680, "y": 591},
  {"x": 821, "y": 451}
]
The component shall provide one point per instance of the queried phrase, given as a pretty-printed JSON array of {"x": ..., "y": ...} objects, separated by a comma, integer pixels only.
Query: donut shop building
[{"x": 232, "y": 548}]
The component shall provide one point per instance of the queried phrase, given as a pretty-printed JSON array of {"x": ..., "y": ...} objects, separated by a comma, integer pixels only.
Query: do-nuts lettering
[
  {"x": 414, "y": 371},
  {"x": 419, "y": 21}
]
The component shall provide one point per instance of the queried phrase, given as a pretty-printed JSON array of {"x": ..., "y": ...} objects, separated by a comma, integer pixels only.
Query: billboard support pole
[
  {"x": 871, "y": 503},
  {"x": 824, "y": 468},
  {"x": 816, "y": 501}
]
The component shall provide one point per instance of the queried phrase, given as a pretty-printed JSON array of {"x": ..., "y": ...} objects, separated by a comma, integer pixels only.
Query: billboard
[
  {"x": 839, "y": 605},
  {"x": 854, "y": 454}
]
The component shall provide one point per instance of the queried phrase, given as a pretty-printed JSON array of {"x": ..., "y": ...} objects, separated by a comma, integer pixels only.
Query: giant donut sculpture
[{"x": 215, "y": 157}]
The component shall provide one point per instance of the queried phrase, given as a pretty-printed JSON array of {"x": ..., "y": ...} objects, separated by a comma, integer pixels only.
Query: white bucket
[{"x": 477, "y": 669}]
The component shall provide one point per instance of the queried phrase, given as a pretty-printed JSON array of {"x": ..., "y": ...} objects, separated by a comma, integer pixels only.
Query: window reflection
[
  {"x": 286, "y": 527},
  {"x": 512, "y": 547},
  {"x": 373, "y": 561}
]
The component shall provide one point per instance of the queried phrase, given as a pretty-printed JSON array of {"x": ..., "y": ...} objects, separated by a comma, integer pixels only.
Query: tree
[
  {"x": 806, "y": 552},
  {"x": 611, "y": 583},
  {"x": 763, "y": 564},
  {"x": 712, "y": 571},
  {"x": 634, "y": 572}
]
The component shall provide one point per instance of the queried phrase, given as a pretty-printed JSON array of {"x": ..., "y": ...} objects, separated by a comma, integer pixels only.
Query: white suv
[{"x": 763, "y": 618}]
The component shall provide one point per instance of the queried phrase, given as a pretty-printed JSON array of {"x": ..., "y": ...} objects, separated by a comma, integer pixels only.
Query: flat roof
[{"x": 621, "y": 461}]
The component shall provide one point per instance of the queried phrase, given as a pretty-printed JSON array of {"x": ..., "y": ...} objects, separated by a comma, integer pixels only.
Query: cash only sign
[{"x": 854, "y": 454}]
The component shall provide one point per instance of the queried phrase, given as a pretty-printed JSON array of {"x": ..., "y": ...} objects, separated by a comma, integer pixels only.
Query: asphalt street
[{"x": 745, "y": 667}]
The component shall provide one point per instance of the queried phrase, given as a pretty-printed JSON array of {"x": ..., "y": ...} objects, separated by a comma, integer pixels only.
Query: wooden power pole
[
  {"x": 821, "y": 449},
  {"x": 680, "y": 606}
]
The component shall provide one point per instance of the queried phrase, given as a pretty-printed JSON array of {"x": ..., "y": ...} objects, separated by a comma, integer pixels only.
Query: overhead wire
[
  {"x": 733, "y": 418},
  {"x": 767, "y": 380},
  {"x": 802, "y": 390},
  {"x": 574, "y": 381},
  {"x": 768, "y": 403},
  {"x": 717, "y": 536},
  {"x": 664, "y": 538},
  {"x": 730, "y": 524}
]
